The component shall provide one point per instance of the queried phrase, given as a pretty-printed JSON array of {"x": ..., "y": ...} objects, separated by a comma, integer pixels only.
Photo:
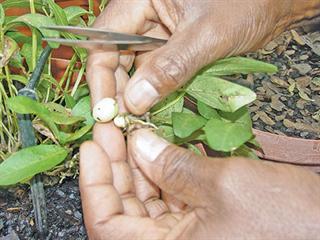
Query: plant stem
[
  {"x": 34, "y": 39},
  {"x": 80, "y": 75}
]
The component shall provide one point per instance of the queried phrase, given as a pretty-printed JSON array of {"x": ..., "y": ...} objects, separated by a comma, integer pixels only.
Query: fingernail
[
  {"x": 148, "y": 146},
  {"x": 142, "y": 95}
]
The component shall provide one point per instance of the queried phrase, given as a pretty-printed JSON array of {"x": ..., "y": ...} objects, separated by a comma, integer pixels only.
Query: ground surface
[
  {"x": 288, "y": 103},
  {"x": 64, "y": 213},
  {"x": 284, "y": 106}
]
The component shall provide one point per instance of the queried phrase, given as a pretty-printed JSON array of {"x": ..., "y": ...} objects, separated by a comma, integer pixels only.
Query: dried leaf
[{"x": 297, "y": 38}]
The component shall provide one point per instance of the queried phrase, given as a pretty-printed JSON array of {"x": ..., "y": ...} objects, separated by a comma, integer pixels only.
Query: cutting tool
[{"x": 103, "y": 39}]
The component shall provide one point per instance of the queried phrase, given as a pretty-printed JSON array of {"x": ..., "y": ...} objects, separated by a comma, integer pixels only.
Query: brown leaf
[
  {"x": 265, "y": 118},
  {"x": 276, "y": 104},
  {"x": 297, "y": 38},
  {"x": 301, "y": 126},
  {"x": 43, "y": 130},
  {"x": 279, "y": 81}
]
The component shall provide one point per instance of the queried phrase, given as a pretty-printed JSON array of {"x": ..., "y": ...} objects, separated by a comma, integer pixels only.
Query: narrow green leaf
[
  {"x": 207, "y": 111},
  {"x": 74, "y": 13},
  {"x": 219, "y": 93},
  {"x": 226, "y": 136},
  {"x": 236, "y": 65},
  {"x": 25, "y": 105},
  {"x": 37, "y": 21},
  {"x": 30, "y": 161},
  {"x": 2, "y": 15},
  {"x": 184, "y": 124},
  {"x": 21, "y": 4},
  {"x": 70, "y": 101},
  {"x": 67, "y": 138},
  {"x": 83, "y": 109}
]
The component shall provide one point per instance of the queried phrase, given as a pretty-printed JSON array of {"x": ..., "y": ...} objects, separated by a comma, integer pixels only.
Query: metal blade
[
  {"x": 105, "y": 34},
  {"x": 107, "y": 45}
]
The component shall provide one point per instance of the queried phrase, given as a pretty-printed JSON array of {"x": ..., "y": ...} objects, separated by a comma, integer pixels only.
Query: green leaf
[
  {"x": 194, "y": 149},
  {"x": 245, "y": 151},
  {"x": 37, "y": 21},
  {"x": 73, "y": 14},
  {"x": 30, "y": 161},
  {"x": 25, "y": 105},
  {"x": 2, "y": 15},
  {"x": 21, "y": 4},
  {"x": 226, "y": 136},
  {"x": 236, "y": 65},
  {"x": 61, "y": 19},
  {"x": 67, "y": 138},
  {"x": 219, "y": 93},
  {"x": 59, "y": 14},
  {"x": 166, "y": 132},
  {"x": 83, "y": 109},
  {"x": 207, "y": 111},
  {"x": 242, "y": 116},
  {"x": 70, "y": 101},
  {"x": 161, "y": 113},
  {"x": 184, "y": 124}
]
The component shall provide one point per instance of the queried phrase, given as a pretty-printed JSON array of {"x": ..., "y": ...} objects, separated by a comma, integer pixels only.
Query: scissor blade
[
  {"x": 108, "y": 45},
  {"x": 104, "y": 34}
]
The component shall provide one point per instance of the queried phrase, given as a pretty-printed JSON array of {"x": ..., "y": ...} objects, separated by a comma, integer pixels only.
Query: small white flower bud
[
  {"x": 120, "y": 121},
  {"x": 105, "y": 110}
]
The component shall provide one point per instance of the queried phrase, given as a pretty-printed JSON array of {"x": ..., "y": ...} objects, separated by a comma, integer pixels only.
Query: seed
[
  {"x": 120, "y": 121},
  {"x": 105, "y": 110}
]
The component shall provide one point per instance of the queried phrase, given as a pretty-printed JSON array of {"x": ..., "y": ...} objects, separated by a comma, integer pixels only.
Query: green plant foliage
[
  {"x": 36, "y": 21},
  {"x": 226, "y": 136},
  {"x": 1, "y": 15},
  {"x": 219, "y": 93},
  {"x": 28, "y": 162},
  {"x": 207, "y": 111},
  {"x": 83, "y": 109},
  {"x": 234, "y": 65},
  {"x": 184, "y": 124}
]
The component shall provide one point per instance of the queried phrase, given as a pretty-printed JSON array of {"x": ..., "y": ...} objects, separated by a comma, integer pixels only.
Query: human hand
[
  {"x": 226, "y": 198},
  {"x": 198, "y": 33}
]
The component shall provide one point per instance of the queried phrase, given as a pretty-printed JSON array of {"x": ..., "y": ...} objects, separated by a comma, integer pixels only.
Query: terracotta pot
[{"x": 297, "y": 151}]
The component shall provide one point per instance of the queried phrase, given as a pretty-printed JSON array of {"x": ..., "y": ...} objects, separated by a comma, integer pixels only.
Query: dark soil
[
  {"x": 64, "y": 213},
  {"x": 288, "y": 103}
]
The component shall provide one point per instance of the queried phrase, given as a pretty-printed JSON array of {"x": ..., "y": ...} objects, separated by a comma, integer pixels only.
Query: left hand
[{"x": 227, "y": 198}]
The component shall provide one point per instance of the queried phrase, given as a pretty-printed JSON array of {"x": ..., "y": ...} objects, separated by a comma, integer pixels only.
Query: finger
[
  {"x": 174, "y": 205},
  {"x": 170, "y": 67},
  {"x": 146, "y": 191},
  {"x": 103, "y": 64},
  {"x": 177, "y": 171},
  {"x": 100, "y": 200},
  {"x": 127, "y": 227}
]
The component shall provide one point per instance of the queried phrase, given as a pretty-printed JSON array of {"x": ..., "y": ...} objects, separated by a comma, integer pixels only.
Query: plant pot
[{"x": 296, "y": 151}]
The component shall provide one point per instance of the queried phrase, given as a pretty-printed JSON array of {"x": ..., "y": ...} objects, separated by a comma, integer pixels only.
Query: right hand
[{"x": 198, "y": 32}]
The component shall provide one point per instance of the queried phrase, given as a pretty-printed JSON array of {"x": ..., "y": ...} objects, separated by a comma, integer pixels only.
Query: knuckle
[
  {"x": 171, "y": 70},
  {"x": 176, "y": 171}
]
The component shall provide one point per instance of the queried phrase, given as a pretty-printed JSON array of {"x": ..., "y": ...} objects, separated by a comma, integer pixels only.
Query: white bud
[
  {"x": 105, "y": 110},
  {"x": 120, "y": 121}
]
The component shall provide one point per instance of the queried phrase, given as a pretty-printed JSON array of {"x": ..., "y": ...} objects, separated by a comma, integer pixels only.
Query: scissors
[{"x": 102, "y": 39}]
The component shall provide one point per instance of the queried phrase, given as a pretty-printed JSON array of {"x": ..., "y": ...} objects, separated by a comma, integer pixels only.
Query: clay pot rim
[
  {"x": 256, "y": 131},
  {"x": 298, "y": 151}
]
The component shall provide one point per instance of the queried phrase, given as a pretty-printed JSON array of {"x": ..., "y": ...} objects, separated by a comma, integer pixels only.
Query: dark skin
[{"x": 150, "y": 189}]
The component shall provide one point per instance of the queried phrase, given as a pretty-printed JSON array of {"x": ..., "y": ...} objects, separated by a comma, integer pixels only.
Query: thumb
[
  {"x": 167, "y": 69},
  {"x": 177, "y": 171}
]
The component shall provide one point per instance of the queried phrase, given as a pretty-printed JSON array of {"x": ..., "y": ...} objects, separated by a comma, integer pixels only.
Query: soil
[
  {"x": 64, "y": 213},
  {"x": 288, "y": 102}
]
